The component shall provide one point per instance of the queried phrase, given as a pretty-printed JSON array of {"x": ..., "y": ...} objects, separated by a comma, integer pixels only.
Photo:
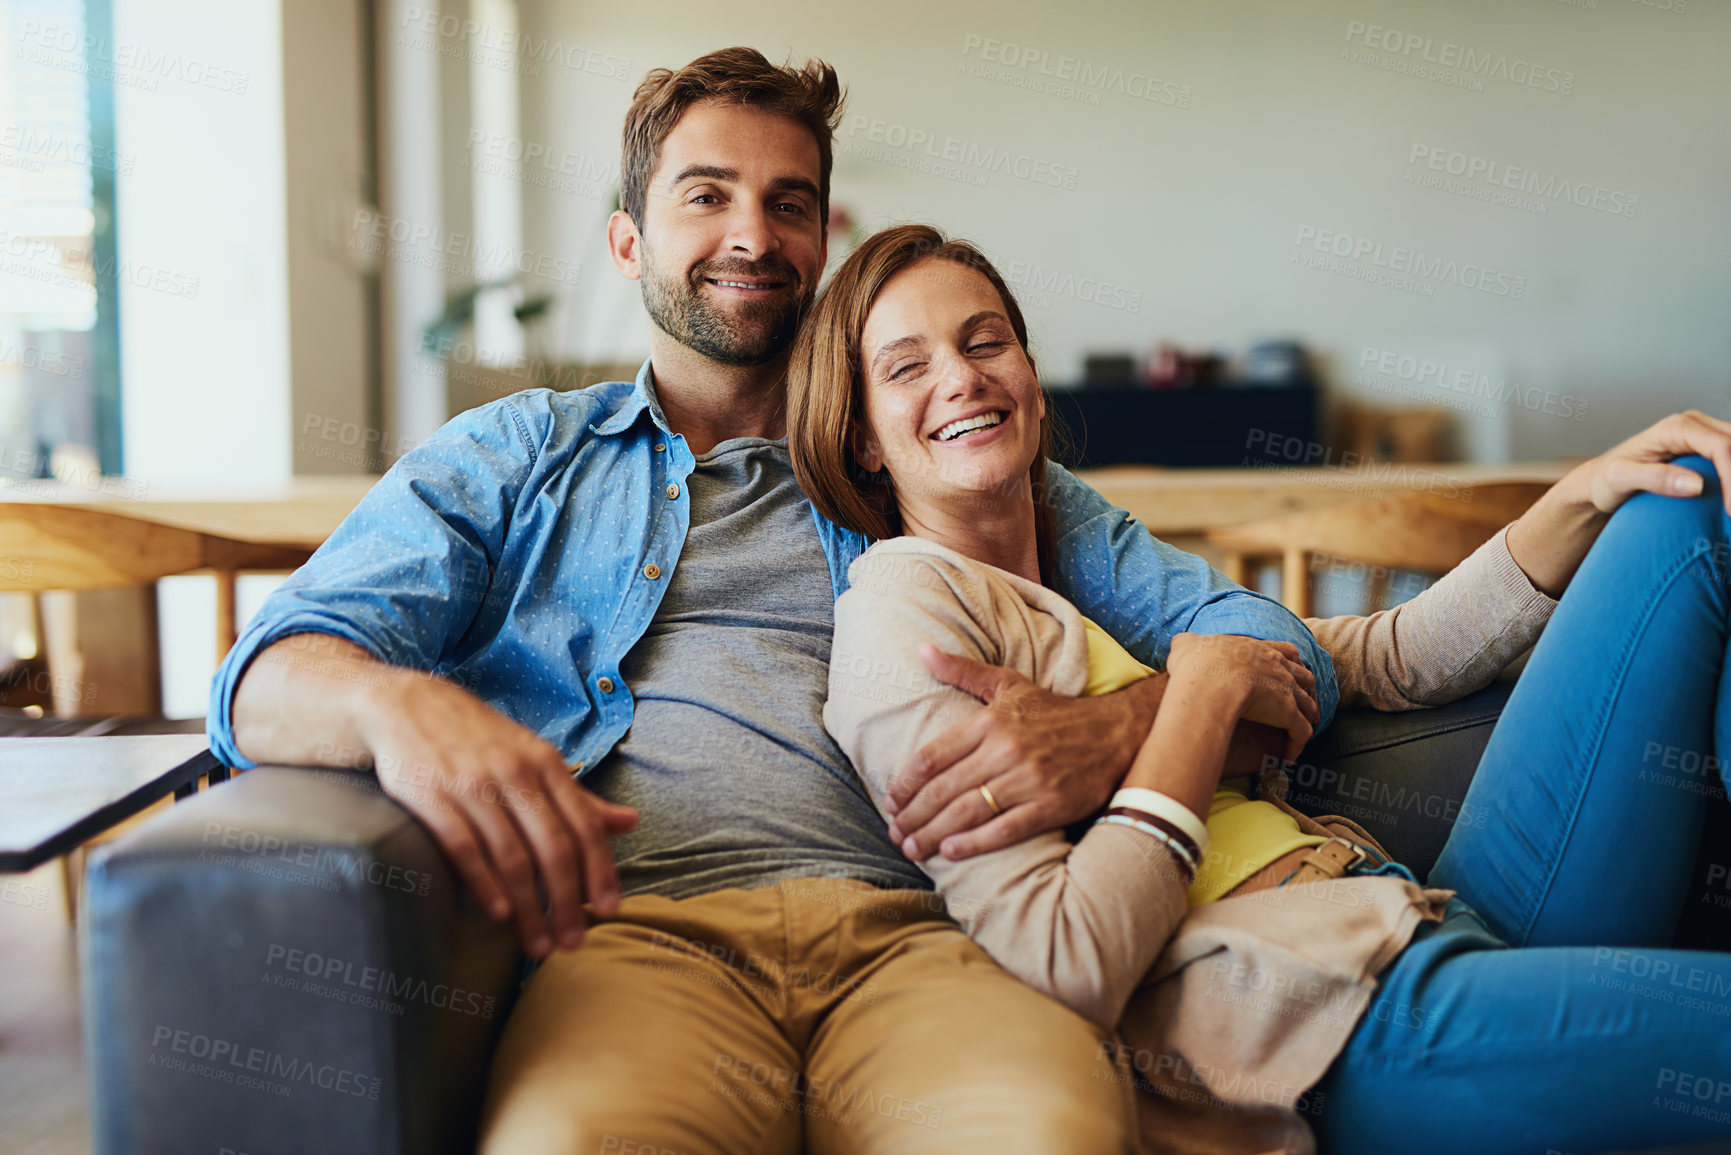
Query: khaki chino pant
[{"x": 817, "y": 1014}]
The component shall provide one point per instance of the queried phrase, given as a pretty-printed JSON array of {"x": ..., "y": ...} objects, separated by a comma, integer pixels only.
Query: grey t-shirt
[{"x": 736, "y": 782}]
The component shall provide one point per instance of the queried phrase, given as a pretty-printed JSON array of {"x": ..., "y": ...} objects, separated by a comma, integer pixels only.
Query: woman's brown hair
[{"x": 825, "y": 394}]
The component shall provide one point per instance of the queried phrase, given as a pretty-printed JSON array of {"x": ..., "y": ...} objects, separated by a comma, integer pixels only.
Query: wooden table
[
  {"x": 304, "y": 512},
  {"x": 43, "y": 525},
  {"x": 98, "y": 555},
  {"x": 58, "y": 793},
  {"x": 301, "y": 513},
  {"x": 1180, "y": 503}
]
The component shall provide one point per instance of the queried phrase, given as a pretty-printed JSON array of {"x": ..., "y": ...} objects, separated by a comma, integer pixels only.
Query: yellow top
[{"x": 1243, "y": 835}]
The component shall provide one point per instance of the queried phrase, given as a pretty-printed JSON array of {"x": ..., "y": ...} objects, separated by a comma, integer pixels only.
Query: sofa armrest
[
  {"x": 1402, "y": 776},
  {"x": 286, "y": 962}
]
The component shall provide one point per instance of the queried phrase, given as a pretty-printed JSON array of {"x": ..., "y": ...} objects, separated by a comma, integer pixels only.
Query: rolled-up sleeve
[
  {"x": 1143, "y": 591},
  {"x": 406, "y": 572}
]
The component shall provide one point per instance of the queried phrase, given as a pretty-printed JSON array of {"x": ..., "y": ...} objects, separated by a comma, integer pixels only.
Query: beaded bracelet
[
  {"x": 1172, "y": 831},
  {"x": 1179, "y": 852}
]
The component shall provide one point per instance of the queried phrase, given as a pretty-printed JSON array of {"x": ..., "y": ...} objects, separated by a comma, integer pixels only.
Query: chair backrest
[{"x": 1415, "y": 530}]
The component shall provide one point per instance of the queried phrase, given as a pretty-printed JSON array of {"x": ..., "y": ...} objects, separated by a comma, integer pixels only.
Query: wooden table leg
[
  {"x": 71, "y": 874},
  {"x": 102, "y": 649},
  {"x": 1295, "y": 593},
  {"x": 1377, "y": 590},
  {"x": 225, "y": 632},
  {"x": 1234, "y": 567}
]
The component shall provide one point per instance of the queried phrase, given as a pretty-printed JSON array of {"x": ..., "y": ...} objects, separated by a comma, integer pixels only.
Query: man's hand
[
  {"x": 502, "y": 804},
  {"x": 1049, "y": 760}
]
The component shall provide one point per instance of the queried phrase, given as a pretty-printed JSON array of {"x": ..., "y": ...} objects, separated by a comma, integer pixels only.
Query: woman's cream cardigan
[{"x": 1231, "y": 1011}]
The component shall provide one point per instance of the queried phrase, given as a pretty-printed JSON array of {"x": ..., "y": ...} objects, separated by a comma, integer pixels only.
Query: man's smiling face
[{"x": 732, "y": 242}]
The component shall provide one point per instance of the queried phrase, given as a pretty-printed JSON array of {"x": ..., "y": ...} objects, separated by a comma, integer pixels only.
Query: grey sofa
[{"x": 285, "y": 963}]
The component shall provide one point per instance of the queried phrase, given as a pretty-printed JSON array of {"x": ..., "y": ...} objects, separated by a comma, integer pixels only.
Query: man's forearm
[
  {"x": 302, "y": 701},
  {"x": 1143, "y": 697}
]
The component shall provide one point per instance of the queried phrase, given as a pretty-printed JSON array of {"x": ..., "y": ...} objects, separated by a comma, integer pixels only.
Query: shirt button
[
  {"x": 672, "y": 492},
  {"x": 605, "y": 685},
  {"x": 651, "y": 571},
  {"x": 661, "y": 447}
]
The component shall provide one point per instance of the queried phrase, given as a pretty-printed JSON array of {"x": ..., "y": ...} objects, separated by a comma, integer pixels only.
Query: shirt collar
[{"x": 642, "y": 397}]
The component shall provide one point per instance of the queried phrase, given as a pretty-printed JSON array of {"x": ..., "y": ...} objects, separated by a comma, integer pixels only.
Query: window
[{"x": 59, "y": 325}]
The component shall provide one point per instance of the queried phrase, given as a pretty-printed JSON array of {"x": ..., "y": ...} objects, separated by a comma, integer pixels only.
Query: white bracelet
[
  {"x": 1178, "y": 850},
  {"x": 1164, "y": 806}
]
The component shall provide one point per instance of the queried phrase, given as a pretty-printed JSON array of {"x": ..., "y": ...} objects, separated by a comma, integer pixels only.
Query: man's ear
[{"x": 625, "y": 244}]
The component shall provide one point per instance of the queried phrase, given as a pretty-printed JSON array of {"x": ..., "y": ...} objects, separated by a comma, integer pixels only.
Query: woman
[{"x": 914, "y": 410}]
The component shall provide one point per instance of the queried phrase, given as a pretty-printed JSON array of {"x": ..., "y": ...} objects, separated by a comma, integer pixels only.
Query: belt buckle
[{"x": 1359, "y": 856}]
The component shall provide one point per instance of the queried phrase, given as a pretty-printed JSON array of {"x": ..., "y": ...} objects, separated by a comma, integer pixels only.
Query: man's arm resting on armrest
[
  {"x": 498, "y": 797},
  {"x": 303, "y": 700}
]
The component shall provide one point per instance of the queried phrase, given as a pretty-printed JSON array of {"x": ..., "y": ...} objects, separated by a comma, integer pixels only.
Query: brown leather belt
[{"x": 1332, "y": 859}]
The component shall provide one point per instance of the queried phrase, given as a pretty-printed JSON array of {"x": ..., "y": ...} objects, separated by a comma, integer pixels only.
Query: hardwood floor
[
  {"x": 43, "y": 1093},
  {"x": 43, "y": 1105}
]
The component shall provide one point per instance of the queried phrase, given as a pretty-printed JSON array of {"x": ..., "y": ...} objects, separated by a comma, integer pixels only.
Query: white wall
[
  {"x": 1265, "y": 129},
  {"x": 417, "y": 183},
  {"x": 204, "y": 316},
  {"x": 242, "y": 306},
  {"x": 326, "y": 169}
]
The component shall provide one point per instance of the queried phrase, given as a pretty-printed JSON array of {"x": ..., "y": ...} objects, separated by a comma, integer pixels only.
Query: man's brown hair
[
  {"x": 825, "y": 388},
  {"x": 811, "y": 95}
]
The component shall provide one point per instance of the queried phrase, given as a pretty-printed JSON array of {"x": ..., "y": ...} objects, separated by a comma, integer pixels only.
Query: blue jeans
[{"x": 1546, "y": 1012}]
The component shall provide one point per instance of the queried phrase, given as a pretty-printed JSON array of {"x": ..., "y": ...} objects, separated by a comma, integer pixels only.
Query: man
[{"x": 624, "y": 581}]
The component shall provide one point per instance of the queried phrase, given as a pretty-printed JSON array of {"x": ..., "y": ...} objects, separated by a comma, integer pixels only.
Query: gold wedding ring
[{"x": 986, "y": 793}]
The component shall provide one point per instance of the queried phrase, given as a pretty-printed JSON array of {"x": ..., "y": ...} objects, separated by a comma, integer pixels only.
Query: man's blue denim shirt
[{"x": 523, "y": 549}]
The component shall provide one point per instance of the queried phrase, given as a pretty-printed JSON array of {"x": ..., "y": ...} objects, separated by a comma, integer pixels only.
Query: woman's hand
[
  {"x": 1550, "y": 540},
  {"x": 1216, "y": 682},
  {"x": 1639, "y": 464},
  {"x": 1259, "y": 681}
]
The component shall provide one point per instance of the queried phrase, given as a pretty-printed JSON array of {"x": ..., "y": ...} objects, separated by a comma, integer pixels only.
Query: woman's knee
[{"x": 1693, "y": 521}]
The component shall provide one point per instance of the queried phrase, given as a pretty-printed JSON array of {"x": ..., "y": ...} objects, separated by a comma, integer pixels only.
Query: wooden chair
[
  {"x": 62, "y": 547},
  {"x": 1415, "y": 530},
  {"x": 108, "y": 638}
]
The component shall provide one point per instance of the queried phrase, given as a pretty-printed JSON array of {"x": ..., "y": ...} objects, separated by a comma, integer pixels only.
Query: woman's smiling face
[{"x": 951, "y": 404}]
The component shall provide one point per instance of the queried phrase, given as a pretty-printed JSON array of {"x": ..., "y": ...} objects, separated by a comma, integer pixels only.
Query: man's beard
[{"x": 752, "y": 334}]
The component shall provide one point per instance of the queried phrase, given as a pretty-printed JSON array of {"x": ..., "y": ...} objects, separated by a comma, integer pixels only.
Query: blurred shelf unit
[{"x": 1220, "y": 427}]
